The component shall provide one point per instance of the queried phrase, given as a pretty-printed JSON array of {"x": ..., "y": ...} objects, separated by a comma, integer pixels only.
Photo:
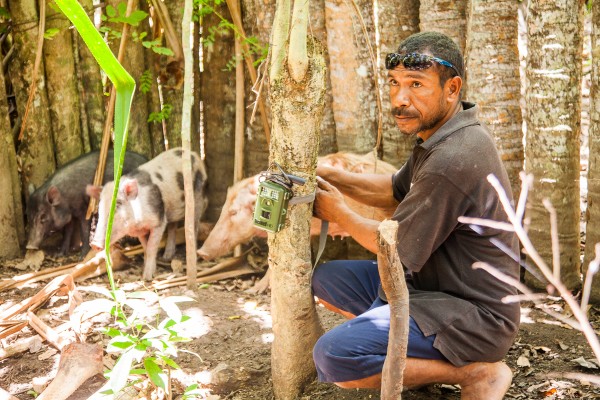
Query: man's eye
[
  {"x": 416, "y": 84},
  {"x": 392, "y": 82}
]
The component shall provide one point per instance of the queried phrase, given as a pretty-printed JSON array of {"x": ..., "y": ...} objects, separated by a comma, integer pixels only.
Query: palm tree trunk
[
  {"x": 445, "y": 16},
  {"x": 62, "y": 93},
  {"x": 35, "y": 150},
  {"x": 553, "y": 128},
  {"x": 593, "y": 181},
  {"x": 492, "y": 64}
]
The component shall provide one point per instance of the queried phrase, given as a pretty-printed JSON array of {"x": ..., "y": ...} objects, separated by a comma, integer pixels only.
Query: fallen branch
[
  {"x": 31, "y": 343},
  {"x": 78, "y": 363}
]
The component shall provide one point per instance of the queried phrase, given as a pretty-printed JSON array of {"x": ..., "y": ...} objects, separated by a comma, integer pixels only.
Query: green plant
[
  {"x": 163, "y": 115},
  {"x": 146, "y": 81}
]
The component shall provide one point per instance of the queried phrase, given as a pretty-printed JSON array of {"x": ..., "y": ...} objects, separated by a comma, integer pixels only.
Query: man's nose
[{"x": 400, "y": 98}]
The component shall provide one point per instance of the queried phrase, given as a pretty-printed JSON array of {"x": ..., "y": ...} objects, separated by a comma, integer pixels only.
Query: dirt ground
[{"x": 229, "y": 354}]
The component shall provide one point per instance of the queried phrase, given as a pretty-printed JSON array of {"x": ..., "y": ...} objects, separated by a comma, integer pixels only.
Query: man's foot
[{"x": 486, "y": 381}]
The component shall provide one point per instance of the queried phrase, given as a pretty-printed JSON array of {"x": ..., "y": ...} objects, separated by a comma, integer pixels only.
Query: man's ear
[{"x": 454, "y": 85}]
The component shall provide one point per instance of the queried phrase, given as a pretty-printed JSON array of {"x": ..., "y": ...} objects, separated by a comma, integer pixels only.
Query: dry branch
[
  {"x": 29, "y": 343},
  {"x": 394, "y": 286}
]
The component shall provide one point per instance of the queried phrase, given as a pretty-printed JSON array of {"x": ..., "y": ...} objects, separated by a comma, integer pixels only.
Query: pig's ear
[
  {"x": 130, "y": 188},
  {"x": 93, "y": 191},
  {"x": 53, "y": 196}
]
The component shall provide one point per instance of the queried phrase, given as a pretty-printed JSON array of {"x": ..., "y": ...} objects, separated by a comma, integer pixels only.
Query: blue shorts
[{"x": 357, "y": 348}]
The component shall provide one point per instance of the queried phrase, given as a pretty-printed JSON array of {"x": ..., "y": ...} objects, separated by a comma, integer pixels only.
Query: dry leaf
[
  {"x": 523, "y": 362},
  {"x": 585, "y": 363}
]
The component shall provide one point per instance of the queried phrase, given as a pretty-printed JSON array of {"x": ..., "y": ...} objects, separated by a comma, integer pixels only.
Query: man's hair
[{"x": 438, "y": 45}]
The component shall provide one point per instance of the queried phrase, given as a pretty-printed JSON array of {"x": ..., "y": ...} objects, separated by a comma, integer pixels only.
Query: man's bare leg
[{"x": 488, "y": 381}]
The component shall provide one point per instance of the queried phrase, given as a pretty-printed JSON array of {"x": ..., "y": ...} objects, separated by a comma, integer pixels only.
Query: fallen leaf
[
  {"x": 523, "y": 362},
  {"x": 585, "y": 363},
  {"x": 542, "y": 348},
  {"x": 562, "y": 345},
  {"x": 550, "y": 392},
  {"x": 47, "y": 354}
]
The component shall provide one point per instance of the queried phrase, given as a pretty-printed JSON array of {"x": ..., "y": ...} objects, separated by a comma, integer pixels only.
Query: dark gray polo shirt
[{"x": 445, "y": 178}]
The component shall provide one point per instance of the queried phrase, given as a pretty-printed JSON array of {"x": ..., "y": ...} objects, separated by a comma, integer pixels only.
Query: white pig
[
  {"x": 150, "y": 199},
  {"x": 235, "y": 224}
]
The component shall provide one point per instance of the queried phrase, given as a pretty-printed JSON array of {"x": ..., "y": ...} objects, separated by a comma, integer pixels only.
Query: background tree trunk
[
  {"x": 172, "y": 93},
  {"x": 35, "y": 150},
  {"x": 258, "y": 20},
  {"x": 553, "y": 127},
  {"x": 351, "y": 73},
  {"x": 218, "y": 96},
  {"x": 297, "y": 110},
  {"x": 592, "y": 215},
  {"x": 134, "y": 62},
  {"x": 91, "y": 93},
  {"x": 492, "y": 65},
  {"x": 63, "y": 95},
  {"x": 398, "y": 20},
  {"x": 445, "y": 16}
]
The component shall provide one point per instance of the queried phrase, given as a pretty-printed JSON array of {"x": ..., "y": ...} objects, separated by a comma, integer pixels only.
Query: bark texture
[
  {"x": 258, "y": 21},
  {"x": 297, "y": 110},
  {"x": 445, "y": 16},
  {"x": 35, "y": 150},
  {"x": 351, "y": 72},
  {"x": 492, "y": 64},
  {"x": 172, "y": 86},
  {"x": 398, "y": 20},
  {"x": 218, "y": 96},
  {"x": 553, "y": 128},
  {"x": 91, "y": 93},
  {"x": 63, "y": 95},
  {"x": 592, "y": 215},
  {"x": 134, "y": 62}
]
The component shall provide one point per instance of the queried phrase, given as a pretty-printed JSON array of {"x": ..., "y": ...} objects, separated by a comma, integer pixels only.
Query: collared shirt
[{"x": 445, "y": 178}]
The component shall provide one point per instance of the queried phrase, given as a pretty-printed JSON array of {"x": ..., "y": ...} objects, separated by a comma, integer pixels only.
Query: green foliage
[
  {"x": 118, "y": 15},
  {"x": 50, "y": 33},
  {"x": 146, "y": 81},
  {"x": 4, "y": 15},
  {"x": 142, "y": 348},
  {"x": 163, "y": 115},
  {"x": 204, "y": 8}
]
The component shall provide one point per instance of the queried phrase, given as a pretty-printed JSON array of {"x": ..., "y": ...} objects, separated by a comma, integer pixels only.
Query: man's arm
[
  {"x": 330, "y": 206},
  {"x": 371, "y": 189}
]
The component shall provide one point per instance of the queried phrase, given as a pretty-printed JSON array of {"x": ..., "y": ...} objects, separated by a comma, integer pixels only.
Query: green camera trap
[{"x": 272, "y": 198}]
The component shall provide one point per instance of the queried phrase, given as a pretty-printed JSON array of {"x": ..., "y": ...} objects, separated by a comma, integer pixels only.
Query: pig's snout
[{"x": 203, "y": 254}]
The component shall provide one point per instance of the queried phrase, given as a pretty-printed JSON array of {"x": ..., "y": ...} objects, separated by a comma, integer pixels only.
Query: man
[{"x": 459, "y": 327}]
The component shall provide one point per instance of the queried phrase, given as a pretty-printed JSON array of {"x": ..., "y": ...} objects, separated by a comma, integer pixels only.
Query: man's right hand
[{"x": 329, "y": 202}]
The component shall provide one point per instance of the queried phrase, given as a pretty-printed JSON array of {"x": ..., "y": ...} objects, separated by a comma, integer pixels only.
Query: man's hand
[{"x": 329, "y": 202}]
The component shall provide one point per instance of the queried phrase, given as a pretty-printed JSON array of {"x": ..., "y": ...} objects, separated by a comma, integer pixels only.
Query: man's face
[{"x": 420, "y": 105}]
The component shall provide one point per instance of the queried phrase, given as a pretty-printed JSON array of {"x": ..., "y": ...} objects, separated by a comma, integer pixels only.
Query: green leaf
[
  {"x": 170, "y": 362},
  {"x": 110, "y": 11},
  {"x": 120, "y": 372},
  {"x": 165, "y": 51},
  {"x": 4, "y": 13},
  {"x": 119, "y": 343},
  {"x": 112, "y": 332},
  {"x": 157, "y": 376},
  {"x": 50, "y": 33}
]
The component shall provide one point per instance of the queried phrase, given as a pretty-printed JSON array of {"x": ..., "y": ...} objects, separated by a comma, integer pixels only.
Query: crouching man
[{"x": 460, "y": 330}]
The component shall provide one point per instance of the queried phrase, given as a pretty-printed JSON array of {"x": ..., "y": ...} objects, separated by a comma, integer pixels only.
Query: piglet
[{"x": 151, "y": 200}]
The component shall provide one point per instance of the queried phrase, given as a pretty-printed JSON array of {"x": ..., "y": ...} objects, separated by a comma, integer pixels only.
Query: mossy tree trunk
[
  {"x": 63, "y": 95},
  {"x": 35, "y": 150},
  {"x": 492, "y": 64},
  {"x": 553, "y": 126},
  {"x": 398, "y": 20},
  {"x": 218, "y": 97},
  {"x": 593, "y": 182},
  {"x": 297, "y": 76}
]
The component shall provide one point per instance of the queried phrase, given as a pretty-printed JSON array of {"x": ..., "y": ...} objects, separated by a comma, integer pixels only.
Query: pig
[
  {"x": 235, "y": 222},
  {"x": 61, "y": 202},
  {"x": 151, "y": 200}
]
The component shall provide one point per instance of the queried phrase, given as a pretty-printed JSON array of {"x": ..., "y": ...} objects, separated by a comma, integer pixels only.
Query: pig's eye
[{"x": 233, "y": 212}]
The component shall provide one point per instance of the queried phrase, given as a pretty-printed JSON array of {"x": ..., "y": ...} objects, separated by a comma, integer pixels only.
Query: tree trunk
[
  {"x": 63, "y": 95},
  {"x": 91, "y": 95},
  {"x": 196, "y": 109},
  {"x": 258, "y": 18},
  {"x": 218, "y": 96},
  {"x": 352, "y": 81},
  {"x": 592, "y": 215},
  {"x": 553, "y": 127},
  {"x": 35, "y": 150},
  {"x": 397, "y": 20},
  {"x": 11, "y": 218},
  {"x": 297, "y": 75},
  {"x": 172, "y": 92},
  {"x": 445, "y": 16},
  {"x": 134, "y": 62},
  {"x": 492, "y": 65}
]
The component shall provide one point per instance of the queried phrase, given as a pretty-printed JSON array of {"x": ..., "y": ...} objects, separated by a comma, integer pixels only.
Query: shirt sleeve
[{"x": 426, "y": 217}]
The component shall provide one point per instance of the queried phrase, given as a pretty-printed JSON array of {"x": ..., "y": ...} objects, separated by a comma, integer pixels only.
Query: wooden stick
[
  {"x": 46, "y": 332},
  {"x": 238, "y": 159},
  {"x": 394, "y": 286},
  {"x": 20, "y": 346},
  {"x": 211, "y": 278}
]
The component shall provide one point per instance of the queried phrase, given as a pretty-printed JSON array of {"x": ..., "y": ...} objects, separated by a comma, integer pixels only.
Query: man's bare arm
[{"x": 371, "y": 189}]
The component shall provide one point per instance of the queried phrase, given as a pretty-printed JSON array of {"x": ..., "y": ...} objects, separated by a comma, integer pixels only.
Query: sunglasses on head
[{"x": 415, "y": 61}]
